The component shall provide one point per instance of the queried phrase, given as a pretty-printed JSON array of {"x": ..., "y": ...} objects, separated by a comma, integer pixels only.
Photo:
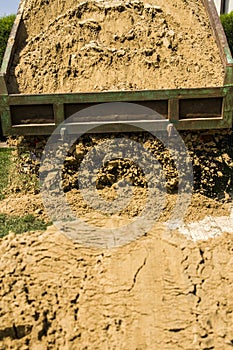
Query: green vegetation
[
  {"x": 227, "y": 22},
  {"x": 5, "y": 161},
  {"x": 19, "y": 224},
  {"x": 23, "y": 176},
  {"x": 8, "y": 223},
  {"x": 5, "y": 29}
]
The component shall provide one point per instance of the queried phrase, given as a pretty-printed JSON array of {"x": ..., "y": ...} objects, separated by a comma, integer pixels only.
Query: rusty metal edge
[
  {"x": 218, "y": 31},
  {"x": 216, "y": 123},
  {"x": 3, "y": 87},
  {"x": 171, "y": 96},
  {"x": 118, "y": 96},
  {"x": 8, "y": 55},
  {"x": 221, "y": 40}
]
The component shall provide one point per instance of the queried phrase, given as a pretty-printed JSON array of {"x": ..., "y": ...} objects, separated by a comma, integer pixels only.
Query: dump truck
[{"x": 185, "y": 108}]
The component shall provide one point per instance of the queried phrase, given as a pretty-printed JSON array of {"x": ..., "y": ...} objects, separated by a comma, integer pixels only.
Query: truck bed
[{"x": 186, "y": 108}]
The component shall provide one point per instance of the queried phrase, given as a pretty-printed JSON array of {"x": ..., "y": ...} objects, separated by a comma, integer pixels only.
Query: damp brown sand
[
  {"x": 89, "y": 46},
  {"x": 161, "y": 291}
]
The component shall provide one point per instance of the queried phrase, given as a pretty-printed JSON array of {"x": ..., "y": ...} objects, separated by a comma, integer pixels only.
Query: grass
[
  {"x": 6, "y": 23},
  {"x": 227, "y": 22},
  {"x": 16, "y": 224},
  {"x": 19, "y": 224},
  {"x": 5, "y": 162}
]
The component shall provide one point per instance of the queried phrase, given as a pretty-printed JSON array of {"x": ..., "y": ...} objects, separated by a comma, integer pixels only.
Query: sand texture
[
  {"x": 163, "y": 290},
  {"x": 73, "y": 46},
  {"x": 160, "y": 292}
]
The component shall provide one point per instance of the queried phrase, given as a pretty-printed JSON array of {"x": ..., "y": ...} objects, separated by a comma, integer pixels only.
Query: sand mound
[
  {"x": 161, "y": 291},
  {"x": 100, "y": 45}
]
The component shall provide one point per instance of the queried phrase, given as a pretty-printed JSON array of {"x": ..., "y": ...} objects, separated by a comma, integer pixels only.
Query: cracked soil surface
[{"x": 159, "y": 292}]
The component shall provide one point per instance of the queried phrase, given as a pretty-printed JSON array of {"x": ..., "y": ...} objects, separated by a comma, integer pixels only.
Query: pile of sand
[
  {"x": 160, "y": 292},
  {"x": 73, "y": 46},
  {"x": 210, "y": 152}
]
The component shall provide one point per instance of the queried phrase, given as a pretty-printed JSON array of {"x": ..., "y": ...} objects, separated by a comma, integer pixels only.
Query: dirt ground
[
  {"x": 164, "y": 290},
  {"x": 115, "y": 45},
  {"x": 200, "y": 207},
  {"x": 161, "y": 291}
]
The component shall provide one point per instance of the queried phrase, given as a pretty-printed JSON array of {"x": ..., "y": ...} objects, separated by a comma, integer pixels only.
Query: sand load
[{"x": 88, "y": 46}]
